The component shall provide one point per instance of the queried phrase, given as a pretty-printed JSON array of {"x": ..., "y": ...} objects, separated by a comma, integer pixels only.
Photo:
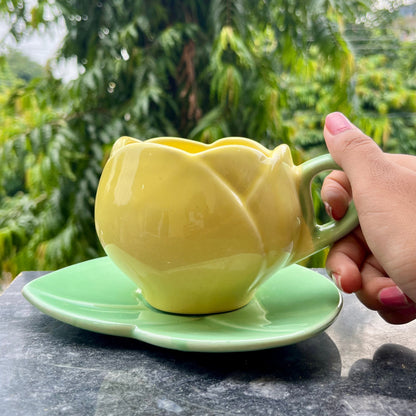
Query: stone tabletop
[{"x": 359, "y": 366}]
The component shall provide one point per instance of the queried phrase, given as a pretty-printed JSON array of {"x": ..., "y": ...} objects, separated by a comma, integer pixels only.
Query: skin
[{"x": 377, "y": 261}]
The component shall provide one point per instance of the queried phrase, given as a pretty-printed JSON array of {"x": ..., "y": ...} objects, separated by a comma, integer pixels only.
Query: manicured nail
[
  {"x": 393, "y": 297},
  {"x": 337, "y": 123},
  {"x": 337, "y": 279},
  {"x": 328, "y": 209}
]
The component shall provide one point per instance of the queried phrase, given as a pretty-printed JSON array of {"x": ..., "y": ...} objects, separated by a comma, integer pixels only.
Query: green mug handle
[{"x": 325, "y": 234}]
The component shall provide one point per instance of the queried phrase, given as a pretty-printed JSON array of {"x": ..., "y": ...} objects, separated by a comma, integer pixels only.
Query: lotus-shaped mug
[{"x": 199, "y": 227}]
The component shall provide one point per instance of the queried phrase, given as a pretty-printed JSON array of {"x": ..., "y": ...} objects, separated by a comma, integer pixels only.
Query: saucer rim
[{"x": 33, "y": 294}]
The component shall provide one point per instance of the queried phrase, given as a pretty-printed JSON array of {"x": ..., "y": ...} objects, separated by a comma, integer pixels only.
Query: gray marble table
[{"x": 359, "y": 366}]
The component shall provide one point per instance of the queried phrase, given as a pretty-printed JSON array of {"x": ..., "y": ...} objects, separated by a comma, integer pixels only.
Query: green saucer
[{"x": 295, "y": 304}]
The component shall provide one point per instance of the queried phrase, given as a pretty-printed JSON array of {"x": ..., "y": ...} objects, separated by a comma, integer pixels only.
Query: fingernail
[
  {"x": 393, "y": 297},
  {"x": 337, "y": 123},
  {"x": 328, "y": 209},
  {"x": 337, "y": 279}
]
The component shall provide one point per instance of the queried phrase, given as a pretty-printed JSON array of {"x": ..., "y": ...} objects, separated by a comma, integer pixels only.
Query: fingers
[
  {"x": 398, "y": 317},
  {"x": 336, "y": 189},
  {"x": 355, "y": 269},
  {"x": 368, "y": 169},
  {"x": 344, "y": 262},
  {"x": 363, "y": 163},
  {"x": 355, "y": 152},
  {"x": 336, "y": 194},
  {"x": 380, "y": 293},
  {"x": 383, "y": 188}
]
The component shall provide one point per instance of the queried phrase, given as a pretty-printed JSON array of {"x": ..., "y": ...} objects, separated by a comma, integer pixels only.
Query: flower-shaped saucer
[{"x": 294, "y": 304}]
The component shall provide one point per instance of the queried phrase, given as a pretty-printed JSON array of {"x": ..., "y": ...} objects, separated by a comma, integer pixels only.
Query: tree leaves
[{"x": 198, "y": 69}]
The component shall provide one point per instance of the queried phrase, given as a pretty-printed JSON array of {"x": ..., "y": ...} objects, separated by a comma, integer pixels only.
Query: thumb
[
  {"x": 358, "y": 155},
  {"x": 383, "y": 189}
]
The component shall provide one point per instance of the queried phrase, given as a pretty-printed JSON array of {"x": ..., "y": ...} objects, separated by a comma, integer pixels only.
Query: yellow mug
[{"x": 199, "y": 227}]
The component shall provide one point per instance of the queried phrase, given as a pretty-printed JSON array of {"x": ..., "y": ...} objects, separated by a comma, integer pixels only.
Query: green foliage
[
  {"x": 197, "y": 69},
  {"x": 7, "y": 77},
  {"x": 387, "y": 97},
  {"x": 381, "y": 98},
  {"x": 19, "y": 66},
  {"x": 16, "y": 68}
]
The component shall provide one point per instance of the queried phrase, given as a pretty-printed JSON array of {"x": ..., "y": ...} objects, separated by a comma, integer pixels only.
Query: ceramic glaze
[
  {"x": 293, "y": 305},
  {"x": 199, "y": 227}
]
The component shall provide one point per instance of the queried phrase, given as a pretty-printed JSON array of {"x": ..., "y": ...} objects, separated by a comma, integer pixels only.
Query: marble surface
[{"x": 359, "y": 366}]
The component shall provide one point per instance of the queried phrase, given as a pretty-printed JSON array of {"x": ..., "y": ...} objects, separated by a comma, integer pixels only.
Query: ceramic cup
[{"x": 199, "y": 227}]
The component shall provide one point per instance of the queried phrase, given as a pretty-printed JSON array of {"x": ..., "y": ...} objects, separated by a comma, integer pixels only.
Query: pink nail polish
[
  {"x": 337, "y": 123},
  {"x": 393, "y": 297}
]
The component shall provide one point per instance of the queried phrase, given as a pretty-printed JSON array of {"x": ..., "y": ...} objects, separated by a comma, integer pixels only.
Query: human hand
[{"x": 377, "y": 260}]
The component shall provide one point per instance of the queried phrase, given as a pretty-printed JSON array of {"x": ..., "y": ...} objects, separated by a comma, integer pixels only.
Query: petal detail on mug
[
  {"x": 240, "y": 167},
  {"x": 275, "y": 205},
  {"x": 122, "y": 142},
  {"x": 175, "y": 215}
]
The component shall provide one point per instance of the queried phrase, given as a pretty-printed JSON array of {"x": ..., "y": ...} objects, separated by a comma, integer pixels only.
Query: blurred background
[{"x": 76, "y": 75}]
